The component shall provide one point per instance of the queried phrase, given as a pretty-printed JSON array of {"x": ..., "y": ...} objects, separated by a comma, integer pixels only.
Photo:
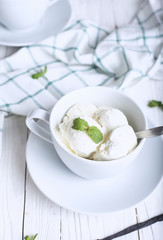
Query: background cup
[
  {"x": 89, "y": 169},
  {"x": 22, "y": 14}
]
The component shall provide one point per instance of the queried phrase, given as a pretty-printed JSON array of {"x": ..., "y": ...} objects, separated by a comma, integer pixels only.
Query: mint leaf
[
  {"x": 30, "y": 238},
  {"x": 95, "y": 134},
  {"x": 155, "y": 103},
  {"x": 35, "y": 236},
  {"x": 80, "y": 124},
  {"x": 27, "y": 238},
  {"x": 39, "y": 74}
]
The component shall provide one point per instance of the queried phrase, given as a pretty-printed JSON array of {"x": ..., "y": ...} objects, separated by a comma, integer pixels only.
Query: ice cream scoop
[
  {"x": 110, "y": 118},
  {"x": 78, "y": 141},
  {"x": 120, "y": 142},
  {"x": 80, "y": 109}
]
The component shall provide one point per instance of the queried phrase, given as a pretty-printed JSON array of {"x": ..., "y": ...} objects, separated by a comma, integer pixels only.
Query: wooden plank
[
  {"x": 81, "y": 226},
  {"x": 99, "y": 12},
  {"x": 145, "y": 91},
  {"x": 114, "y": 223},
  {"x": 125, "y": 11},
  {"x": 151, "y": 207},
  {"x": 12, "y": 166},
  {"x": 41, "y": 215}
]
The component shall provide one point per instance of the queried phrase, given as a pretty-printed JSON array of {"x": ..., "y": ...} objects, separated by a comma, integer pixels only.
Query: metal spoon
[{"x": 152, "y": 132}]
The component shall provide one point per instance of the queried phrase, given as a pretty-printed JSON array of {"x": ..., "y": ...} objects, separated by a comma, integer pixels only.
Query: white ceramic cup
[
  {"x": 89, "y": 169},
  {"x": 22, "y": 14}
]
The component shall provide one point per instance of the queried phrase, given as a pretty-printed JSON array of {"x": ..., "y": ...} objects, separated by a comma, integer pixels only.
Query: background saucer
[
  {"x": 70, "y": 191},
  {"x": 55, "y": 19}
]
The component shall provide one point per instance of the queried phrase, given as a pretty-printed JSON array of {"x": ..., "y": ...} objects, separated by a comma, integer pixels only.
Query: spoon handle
[{"x": 152, "y": 132}]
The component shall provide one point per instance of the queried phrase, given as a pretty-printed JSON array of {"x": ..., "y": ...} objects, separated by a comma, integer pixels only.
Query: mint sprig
[
  {"x": 155, "y": 103},
  {"x": 80, "y": 124},
  {"x": 39, "y": 74},
  {"x": 93, "y": 132},
  {"x": 31, "y": 238}
]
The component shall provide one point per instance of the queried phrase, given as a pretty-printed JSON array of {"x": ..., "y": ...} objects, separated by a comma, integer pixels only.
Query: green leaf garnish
[
  {"x": 27, "y": 238},
  {"x": 39, "y": 74},
  {"x": 35, "y": 236},
  {"x": 95, "y": 134},
  {"x": 155, "y": 103},
  {"x": 30, "y": 238},
  {"x": 80, "y": 124}
]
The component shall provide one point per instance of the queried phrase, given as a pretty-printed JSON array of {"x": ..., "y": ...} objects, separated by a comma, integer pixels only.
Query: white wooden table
[{"x": 25, "y": 210}]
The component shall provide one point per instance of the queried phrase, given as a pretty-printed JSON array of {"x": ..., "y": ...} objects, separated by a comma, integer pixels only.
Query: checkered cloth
[{"x": 83, "y": 55}]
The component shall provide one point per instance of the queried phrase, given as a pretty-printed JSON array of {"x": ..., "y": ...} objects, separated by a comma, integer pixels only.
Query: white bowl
[{"x": 92, "y": 169}]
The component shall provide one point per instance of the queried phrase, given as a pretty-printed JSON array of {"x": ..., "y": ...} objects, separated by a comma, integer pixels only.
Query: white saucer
[
  {"x": 54, "y": 20},
  {"x": 70, "y": 191}
]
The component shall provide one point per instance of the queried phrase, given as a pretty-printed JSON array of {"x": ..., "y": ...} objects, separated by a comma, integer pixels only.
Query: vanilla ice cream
[
  {"x": 80, "y": 109},
  {"x": 118, "y": 136},
  {"x": 78, "y": 141},
  {"x": 120, "y": 142},
  {"x": 110, "y": 118}
]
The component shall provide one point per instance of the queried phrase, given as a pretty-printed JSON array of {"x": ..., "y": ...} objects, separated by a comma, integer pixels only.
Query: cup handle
[
  {"x": 51, "y": 2},
  {"x": 35, "y": 127}
]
